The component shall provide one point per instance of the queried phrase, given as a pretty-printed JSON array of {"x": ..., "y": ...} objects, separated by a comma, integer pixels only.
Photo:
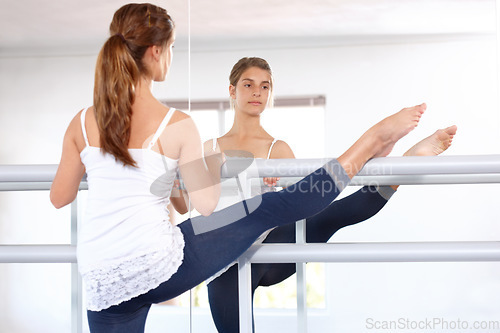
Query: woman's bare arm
[
  {"x": 201, "y": 175},
  {"x": 70, "y": 170}
]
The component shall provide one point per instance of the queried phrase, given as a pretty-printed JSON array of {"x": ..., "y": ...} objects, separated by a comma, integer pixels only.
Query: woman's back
[{"x": 126, "y": 219}]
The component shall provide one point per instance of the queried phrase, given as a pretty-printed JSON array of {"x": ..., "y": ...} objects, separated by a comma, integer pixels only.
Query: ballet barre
[
  {"x": 300, "y": 253},
  {"x": 381, "y": 166},
  {"x": 409, "y": 170},
  {"x": 472, "y": 169}
]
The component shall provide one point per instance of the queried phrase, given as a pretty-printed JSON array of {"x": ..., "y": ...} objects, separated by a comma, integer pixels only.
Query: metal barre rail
[
  {"x": 37, "y": 253},
  {"x": 382, "y": 171},
  {"x": 384, "y": 166},
  {"x": 298, "y": 253}
]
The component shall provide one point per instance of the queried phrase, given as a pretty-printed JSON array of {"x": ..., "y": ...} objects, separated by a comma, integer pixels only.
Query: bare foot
[
  {"x": 434, "y": 144},
  {"x": 394, "y": 127}
]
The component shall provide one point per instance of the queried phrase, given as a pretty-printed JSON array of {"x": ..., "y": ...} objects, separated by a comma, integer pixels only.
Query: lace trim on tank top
[{"x": 113, "y": 284}]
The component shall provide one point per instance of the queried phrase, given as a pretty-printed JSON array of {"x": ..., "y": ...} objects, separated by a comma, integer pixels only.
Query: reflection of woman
[
  {"x": 250, "y": 89},
  {"x": 131, "y": 146}
]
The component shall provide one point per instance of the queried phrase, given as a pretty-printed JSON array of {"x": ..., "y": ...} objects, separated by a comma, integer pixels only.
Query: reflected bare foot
[{"x": 434, "y": 144}]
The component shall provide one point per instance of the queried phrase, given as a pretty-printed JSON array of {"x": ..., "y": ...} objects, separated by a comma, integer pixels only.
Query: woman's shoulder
[
  {"x": 180, "y": 127},
  {"x": 82, "y": 115},
  {"x": 281, "y": 149},
  {"x": 76, "y": 120},
  {"x": 74, "y": 132},
  {"x": 181, "y": 122},
  {"x": 179, "y": 115},
  {"x": 75, "y": 125}
]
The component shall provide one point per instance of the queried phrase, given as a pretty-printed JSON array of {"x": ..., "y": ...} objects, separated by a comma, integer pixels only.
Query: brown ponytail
[{"x": 134, "y": 28}]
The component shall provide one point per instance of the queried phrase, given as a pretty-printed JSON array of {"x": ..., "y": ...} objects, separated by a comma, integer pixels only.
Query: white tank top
[
  {"x": 233, "y": 194},
  {"x": 126, "y": 243}
]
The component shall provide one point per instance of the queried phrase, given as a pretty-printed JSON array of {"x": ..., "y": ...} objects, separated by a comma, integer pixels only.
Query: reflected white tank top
[{"x": 232, "y": 193}]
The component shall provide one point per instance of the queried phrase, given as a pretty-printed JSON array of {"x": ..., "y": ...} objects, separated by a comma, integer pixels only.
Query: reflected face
[{"x": 251, "y": 93}]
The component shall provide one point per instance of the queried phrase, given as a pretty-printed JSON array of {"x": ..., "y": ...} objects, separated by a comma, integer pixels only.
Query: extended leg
[
  {"x": 211, "y": 244},
  {"x": 205, "y": 253},
  {"x": 352, "y": 209},
  {"x": 352, "y": 160}
]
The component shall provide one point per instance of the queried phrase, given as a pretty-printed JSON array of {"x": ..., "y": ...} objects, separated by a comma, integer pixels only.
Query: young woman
[
  {"x": 131, "y": 146},
  {"x": 250, "y": 90}
]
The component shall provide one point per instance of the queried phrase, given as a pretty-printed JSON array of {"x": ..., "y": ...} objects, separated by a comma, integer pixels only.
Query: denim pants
[
  {"x": 213, "y": 242},
  {"x": 223, "y": 291}
]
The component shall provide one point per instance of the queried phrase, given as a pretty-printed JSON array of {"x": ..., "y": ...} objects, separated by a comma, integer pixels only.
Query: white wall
[{"x": 362, "y": 84}]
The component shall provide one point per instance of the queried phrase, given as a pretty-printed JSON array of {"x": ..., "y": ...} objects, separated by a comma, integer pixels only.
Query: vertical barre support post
[
  {"x": 300, "y": 238},
  {"x": 76, "y": 283},
  {"x": 245, "y": 270},
  {"x": 245, "y": 294}
]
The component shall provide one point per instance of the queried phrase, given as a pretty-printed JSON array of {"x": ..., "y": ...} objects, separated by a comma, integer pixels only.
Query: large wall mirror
[{"x": 338, "y": 67}]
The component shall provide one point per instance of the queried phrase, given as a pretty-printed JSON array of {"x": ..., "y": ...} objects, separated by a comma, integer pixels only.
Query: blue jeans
[
  {"x": 213, "y": 242},
  {"x": 223, "y": 291}
]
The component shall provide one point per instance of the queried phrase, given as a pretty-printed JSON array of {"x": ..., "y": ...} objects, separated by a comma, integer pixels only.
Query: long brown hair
[
  {"x": 248, "y": 62},
  {"x": 134, "y": 28}
]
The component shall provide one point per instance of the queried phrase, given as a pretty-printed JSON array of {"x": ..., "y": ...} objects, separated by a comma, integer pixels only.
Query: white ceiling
[{"x": 30, "y": 25}]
